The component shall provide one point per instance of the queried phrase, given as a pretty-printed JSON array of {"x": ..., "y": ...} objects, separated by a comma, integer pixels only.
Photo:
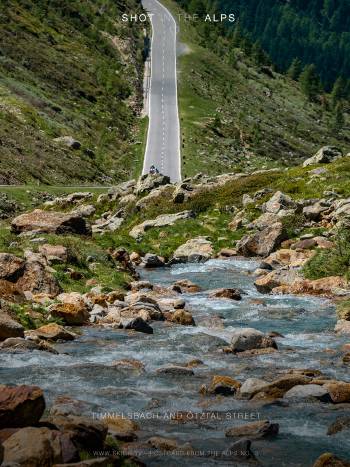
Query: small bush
[{"x": 333, "y": 262}]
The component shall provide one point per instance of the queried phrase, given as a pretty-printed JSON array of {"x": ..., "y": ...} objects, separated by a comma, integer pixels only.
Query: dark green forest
[{"x": 315, "y": 31}]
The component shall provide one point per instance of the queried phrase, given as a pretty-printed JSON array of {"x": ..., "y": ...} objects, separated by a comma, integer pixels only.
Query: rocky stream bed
[{"x": 165, "y": 381}]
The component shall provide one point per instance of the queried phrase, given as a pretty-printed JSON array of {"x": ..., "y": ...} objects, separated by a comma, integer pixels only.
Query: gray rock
[
  {"x": 9, "y": 327},
  {"x": 251, "y": 386},
  {"x": 149, "y": 182},
  {"x": 308, "y": 391},
  {"x": 161, "y": 221},
  {"x": 279, "y": 201},
  {"x": 68, "y": 141},
  {"x": 175, "y": 370},
  {"x": 196, "y": 250},
  {"x": 262, "y": 243},
  {"x": 249, "y": 339},
  {"x": 325, "y": 155},
  {"x": 137, "y": 324},
  {"x": 151, "y": 260}
]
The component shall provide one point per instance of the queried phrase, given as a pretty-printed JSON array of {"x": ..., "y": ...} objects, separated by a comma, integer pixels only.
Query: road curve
[{"x": 163, "y": 138}]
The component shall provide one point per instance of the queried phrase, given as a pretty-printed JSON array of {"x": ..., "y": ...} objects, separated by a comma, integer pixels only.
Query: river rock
[
  {"x": 259, "y": 429},
  {"x": 251, "y": 386},
  {"x": 86, "y": 433},
  {"x": 50, "y": 222},
  {"x": 325, "y": 155},
  {"x": 11, "y": 267},
  {"x": 343, "y": 310},
  {"x": 309, "y": 391},
  {"x": 9, "y": 327},
  {"x": 342, "y": 327},
  {"x": 330, "y": 460},
  {"x": 196, "y": 250},
  {"x": 223, "y": 385},
  {"x": 263, "y": 242},
  {"x": 11, "y": 292},
  {"x": 280, "y": 386},
  {"x": 288, "y": 257},
  {"x": 183, "y": 317},
  {"x": 33, "y": 447},
  {"x": 340, "y": 424},
  {"x": 121, "y": 428},
  {"x": 249, "y": 339},
  {"x": 72, "y": 314},
  {"x": 231, "y": 294},
  {"x": 151, "y": 260},
  {"x": 186, "y": 286},
  {"x": 149, "y": 182},
  {"x": 137, "y": 286},
  {"x": 20, "y": 406},
  {"x": 339, "y": 391},
  {"x": 241, "y": 451},
  {"x": 326, "y": 286},
  {"x": 163, "y": 444},
  {"x": 18, "y": 344},
  {"x": 53, "y": 332},
  {"x": 137, "y": 324},
  {"x": 161, "y": 221},
  {"x": 175, "y": 370}
]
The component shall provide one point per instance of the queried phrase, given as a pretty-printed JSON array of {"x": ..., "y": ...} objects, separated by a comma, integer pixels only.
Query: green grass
[{"x": 75, "y": 69}]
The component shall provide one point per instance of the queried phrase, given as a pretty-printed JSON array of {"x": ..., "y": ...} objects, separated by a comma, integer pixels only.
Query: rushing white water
[{"x": 84, "y": 368}]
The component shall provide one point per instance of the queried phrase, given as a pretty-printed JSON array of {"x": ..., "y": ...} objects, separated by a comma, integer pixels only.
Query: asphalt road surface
[{"x": 163, "y": 139}]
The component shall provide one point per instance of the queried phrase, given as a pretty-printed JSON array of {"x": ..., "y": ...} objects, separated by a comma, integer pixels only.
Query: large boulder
[
  {"x": 20, "y": 406},
  {"x": 161, "y": 221},
  {"x": 249, "y": 338},
  {"x": 40, "y": 221},
  {"x": 278, "y": 278},
  {"x": 263, "y": 242},
  {"x": 196, "y": 250},
  {"x": 9, "y": 327},
  {"x": 85, "y": 432},
  {"x": 326, "y": 287},
  {"x": 149, "y": 182},
  {"x": 33, "y": 447},
  {"x": 325, "y": 155},
  {"x": 37, "y": 278},
  {"x": 72, "y": 314},
  {"x": 11, "y": 267}
]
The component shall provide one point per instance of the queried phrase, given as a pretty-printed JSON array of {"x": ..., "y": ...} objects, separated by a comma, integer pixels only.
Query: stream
[{"x": 84, "y": 370}]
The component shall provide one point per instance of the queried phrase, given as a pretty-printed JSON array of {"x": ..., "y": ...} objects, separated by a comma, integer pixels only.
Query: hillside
[
  {"x": 316, "y": 31},
  {"x": 238, "y": 114},
  {"x": 69, "y": 68}
]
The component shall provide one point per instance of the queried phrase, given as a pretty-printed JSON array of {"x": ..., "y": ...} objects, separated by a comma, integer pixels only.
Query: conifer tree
[
  {"x": 310, "y": 82},
  {"x": 295, "y": 69}
]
